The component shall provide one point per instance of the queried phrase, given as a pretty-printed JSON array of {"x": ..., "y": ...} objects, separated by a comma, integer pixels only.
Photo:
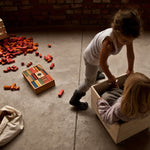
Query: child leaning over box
[
  {"x": 133, "y": 103},
  {"x": 126, "y": 26}
]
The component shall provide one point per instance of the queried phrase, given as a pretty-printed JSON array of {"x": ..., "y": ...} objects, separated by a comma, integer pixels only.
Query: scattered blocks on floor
[
  {"x": 11, "y": 68},
  {"x": 12, "y": 87}
]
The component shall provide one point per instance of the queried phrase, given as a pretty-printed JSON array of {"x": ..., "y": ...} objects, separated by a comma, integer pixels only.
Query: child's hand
[
  {"x": 113, "y": 82},
  {"x": 129, "y": 72}
]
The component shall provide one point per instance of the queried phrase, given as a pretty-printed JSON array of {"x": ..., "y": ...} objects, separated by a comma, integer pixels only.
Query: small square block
[{"x": 39, "y": 74}]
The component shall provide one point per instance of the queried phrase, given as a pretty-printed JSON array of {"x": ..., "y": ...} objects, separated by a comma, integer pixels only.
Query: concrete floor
[{"x": 50, "y": 122}]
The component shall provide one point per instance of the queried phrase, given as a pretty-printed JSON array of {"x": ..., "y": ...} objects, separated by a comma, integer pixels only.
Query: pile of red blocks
[
  {"x": 48, "y": 58},
  {"x": 13, "y": 46}
]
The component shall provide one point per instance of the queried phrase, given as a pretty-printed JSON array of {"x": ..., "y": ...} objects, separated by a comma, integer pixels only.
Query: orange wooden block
[
  {"x": 35, "y": 44},
  {"x": 13, "y": 85},
  {"x": 7, "y": 87},
  {"x": 16, "y": 88}
]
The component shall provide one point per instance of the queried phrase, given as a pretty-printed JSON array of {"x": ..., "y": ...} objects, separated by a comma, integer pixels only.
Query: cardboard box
[
  {"x": 118, "y": 131},
  {"x": 38, "y": 78},
  {"x": 3, "y": 33}
]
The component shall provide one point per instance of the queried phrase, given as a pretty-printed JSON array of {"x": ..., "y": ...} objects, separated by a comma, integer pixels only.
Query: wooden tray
[
  {"x": 38, "y": 78},
  {"x": 3, "y": 33}
]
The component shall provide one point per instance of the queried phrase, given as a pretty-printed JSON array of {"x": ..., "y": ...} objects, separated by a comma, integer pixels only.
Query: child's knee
[{"x": 90, "y": 82}]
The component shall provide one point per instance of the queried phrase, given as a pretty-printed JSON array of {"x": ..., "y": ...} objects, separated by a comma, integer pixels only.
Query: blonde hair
[
  {"x": 136, "y": 95},
  {"x": 127, "y": 22}
]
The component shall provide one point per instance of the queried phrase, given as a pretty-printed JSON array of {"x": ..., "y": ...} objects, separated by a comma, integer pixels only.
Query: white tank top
[{"x": 92, "y": 52}]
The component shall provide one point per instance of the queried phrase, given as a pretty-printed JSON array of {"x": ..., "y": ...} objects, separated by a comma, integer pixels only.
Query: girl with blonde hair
[{"x": 133, "y": 103}]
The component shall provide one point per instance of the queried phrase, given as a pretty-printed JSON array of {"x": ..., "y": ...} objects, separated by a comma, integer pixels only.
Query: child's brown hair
[
  {"x": 127, "y": 22},
  {"x": 136, "y": 95}
]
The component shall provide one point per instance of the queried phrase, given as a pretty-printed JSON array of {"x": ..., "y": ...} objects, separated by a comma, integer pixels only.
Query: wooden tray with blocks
[
  {"x": 3, "y": 33},
  {"x": 38, "y": 78}
]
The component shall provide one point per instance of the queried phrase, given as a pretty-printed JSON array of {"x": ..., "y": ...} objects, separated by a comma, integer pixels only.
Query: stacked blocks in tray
[
  {"x": 3, "y": 33},
  {"x": 38, "y": 78}
]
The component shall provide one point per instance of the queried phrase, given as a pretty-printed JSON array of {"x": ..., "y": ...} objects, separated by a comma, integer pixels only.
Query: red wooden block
[
  {"x": 40, "y": 55},
  {"x": 49, "y": 60},
  {"x": 14, "y": 68},
  {"x": 22, "y": 63},
  {"x": 5, "y": 71},
  {"x": 1, "y": 54},
  {"x": 37, "y": 53},
  {"x": 9, "y": 61},
  {"x": 46, "y": 58},
  {"x": 49, "y": 45},
  {"x": 8, "y": 68},
  {"x": 29, "y": 64},
  {"x": 52, "y": 65},
  {"x": 60, "y": 93},
  {"x": 50, "y": 56},
  {"x": 25, "y": 53}
]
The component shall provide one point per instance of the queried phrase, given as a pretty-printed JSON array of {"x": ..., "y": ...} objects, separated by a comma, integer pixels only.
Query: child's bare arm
[
  {"x": 130, "y": 58},
  {"x": 107, "y": 48}
]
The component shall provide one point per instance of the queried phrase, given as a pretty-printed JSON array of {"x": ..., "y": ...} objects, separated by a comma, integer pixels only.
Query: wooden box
[
  {"x": 118, "y": 131},
  {"x": 3, "y": 33},
  {"x": 38, "y": 78}
]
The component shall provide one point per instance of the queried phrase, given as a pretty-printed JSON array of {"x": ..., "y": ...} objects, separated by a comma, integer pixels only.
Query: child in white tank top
[{"x": 126, "y": 26}]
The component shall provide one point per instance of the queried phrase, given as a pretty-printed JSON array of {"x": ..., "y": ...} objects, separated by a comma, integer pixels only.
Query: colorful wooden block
[{"x": 38, "y": 78}]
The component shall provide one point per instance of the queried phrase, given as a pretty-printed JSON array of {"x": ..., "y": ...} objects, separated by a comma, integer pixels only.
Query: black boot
[
  {"x": 100, "y": 76},
  {"x": 75, "y": 100}
]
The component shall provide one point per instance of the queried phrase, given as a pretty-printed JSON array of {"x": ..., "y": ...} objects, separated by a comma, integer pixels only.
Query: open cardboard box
[{"x": 118, "y": 131}]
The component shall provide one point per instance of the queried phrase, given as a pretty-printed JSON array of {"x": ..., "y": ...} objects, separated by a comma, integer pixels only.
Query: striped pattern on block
[{"x": 38, "y": 78}]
